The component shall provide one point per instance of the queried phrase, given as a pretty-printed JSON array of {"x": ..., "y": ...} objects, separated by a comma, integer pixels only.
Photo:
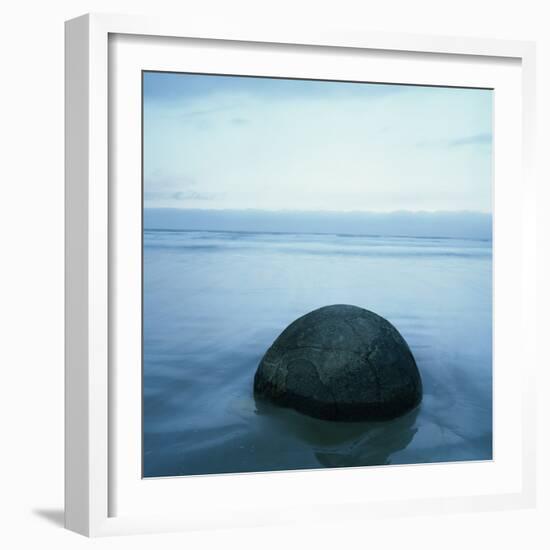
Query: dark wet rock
[{"x": 340, "y": 362}]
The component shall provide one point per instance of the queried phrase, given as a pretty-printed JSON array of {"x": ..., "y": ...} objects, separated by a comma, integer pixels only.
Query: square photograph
[{"x": 316, "y": 274}]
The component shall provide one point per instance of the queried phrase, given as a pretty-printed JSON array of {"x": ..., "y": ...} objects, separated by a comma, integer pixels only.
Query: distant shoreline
[{"x": 374, "y": 236}]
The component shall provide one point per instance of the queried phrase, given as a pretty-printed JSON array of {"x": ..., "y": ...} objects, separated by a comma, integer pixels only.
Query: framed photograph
[{"x": 299, "y": 275}]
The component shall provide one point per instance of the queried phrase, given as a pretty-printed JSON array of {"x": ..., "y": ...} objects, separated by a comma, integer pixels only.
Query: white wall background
[{"x": 31, "y": 273}]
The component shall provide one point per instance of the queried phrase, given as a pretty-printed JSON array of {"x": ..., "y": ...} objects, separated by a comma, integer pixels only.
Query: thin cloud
[
  {"x": 205, "y": 112},
  {"x": 478, "y": 139},
  {"x": 174, "y": 182},
  {"x": 238, "y": 121},
  {"x": 177, "y": 196}
]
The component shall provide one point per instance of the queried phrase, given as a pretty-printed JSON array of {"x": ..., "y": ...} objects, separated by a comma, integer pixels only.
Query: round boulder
[{"x": 340, "y": 362}]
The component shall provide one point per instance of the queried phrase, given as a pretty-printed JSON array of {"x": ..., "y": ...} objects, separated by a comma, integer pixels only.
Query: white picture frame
[{"x": 92, "y": 218}]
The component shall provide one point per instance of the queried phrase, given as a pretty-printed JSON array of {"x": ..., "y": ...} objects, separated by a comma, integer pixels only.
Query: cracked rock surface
[{"x": 340, "y": 362}]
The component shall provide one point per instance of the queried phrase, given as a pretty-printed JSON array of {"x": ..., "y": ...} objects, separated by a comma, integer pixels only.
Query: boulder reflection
[{"x": 345, "y": 444}]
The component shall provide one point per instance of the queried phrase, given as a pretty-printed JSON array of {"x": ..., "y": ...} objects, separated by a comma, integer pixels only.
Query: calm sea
[{"x": 215, "y": 301}]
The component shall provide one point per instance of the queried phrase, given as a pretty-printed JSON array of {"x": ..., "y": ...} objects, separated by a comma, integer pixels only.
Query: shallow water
[{"x": 214, "y": 302}]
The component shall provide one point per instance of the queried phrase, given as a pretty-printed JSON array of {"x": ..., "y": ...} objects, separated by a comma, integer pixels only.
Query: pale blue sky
[{"x": 222, "y": 142}]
